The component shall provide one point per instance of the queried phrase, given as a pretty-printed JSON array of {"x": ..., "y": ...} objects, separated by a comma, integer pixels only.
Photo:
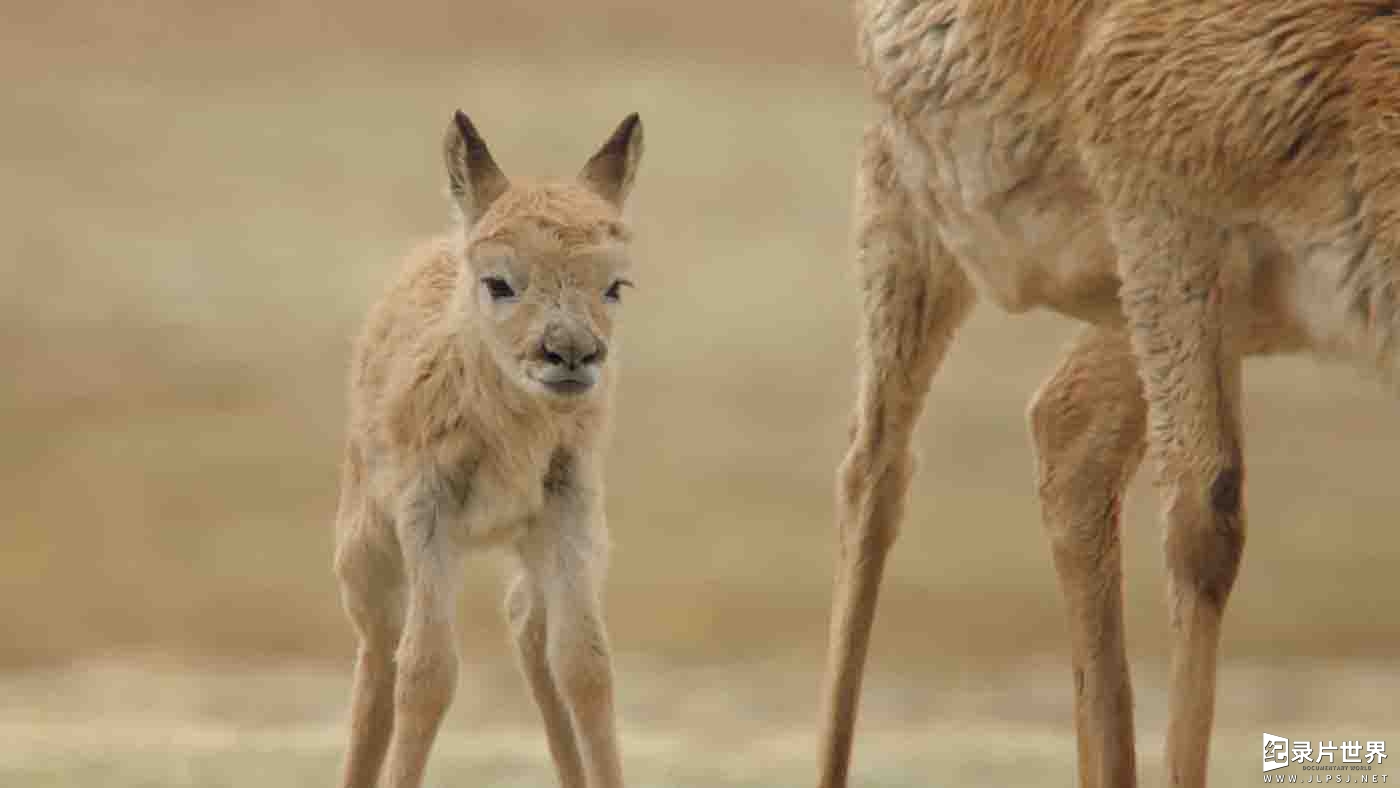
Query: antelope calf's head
[{"x": 546, "y": 263}]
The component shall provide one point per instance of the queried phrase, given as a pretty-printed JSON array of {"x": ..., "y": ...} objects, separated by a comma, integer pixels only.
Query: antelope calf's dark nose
[{"x": 572, "y": 350}]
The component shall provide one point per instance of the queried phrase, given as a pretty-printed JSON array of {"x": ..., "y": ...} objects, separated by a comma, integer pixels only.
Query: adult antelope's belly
[
  {"x": 985, "y": 161},
  {"x": 1018, "y": 217}
]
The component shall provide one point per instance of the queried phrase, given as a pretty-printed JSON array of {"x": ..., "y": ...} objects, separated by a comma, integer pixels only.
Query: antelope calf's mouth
[{"x": 568, "y": 382}]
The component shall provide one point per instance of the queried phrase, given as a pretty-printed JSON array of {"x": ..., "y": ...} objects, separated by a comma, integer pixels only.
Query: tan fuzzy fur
[
  {"x": 1197, "y": 181},
  {"x": 459, "y": 441}
]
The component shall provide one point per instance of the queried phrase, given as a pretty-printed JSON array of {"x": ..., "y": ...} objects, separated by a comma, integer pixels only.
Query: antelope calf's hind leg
[
  {"x": 915, "y": 297},
  {"x": 1088, "y": 422}
]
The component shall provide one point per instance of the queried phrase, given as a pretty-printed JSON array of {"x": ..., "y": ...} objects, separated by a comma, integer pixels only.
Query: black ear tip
[
  {"x": 465, "y": 126},
  {"x": 624, "y": 133}
]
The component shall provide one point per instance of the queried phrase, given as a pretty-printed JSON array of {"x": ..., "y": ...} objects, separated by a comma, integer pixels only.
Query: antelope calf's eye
[
  {"x": 499, "y": 288},
  {"x": 614, "y": 291}
]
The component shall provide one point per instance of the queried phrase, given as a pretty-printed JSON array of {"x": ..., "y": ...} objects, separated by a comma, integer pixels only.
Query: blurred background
[{"x": 202, "y": 203}]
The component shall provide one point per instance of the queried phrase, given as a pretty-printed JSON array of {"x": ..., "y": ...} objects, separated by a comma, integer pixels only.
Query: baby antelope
[{"x": 478, "y": 406}]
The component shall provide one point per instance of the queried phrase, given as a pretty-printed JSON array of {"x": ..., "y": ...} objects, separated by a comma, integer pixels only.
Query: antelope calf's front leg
[
  {"x": 562, "y": 644},
  {"x": 525, "y": 609},
  {"x": 426, "y": 678},
  {"x": 479, "y": 397}
]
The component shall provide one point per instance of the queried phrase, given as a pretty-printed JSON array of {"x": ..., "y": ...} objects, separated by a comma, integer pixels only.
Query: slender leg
[
  {"x": 915, "y": 298},
  {"x": 427, "y": 653},
  {"x": 526, "y": 613},
  {"x": 578, "y": 654},
  {"x": 1173, "y": 300},
  {"x": 371, "y": 582},
  {"x": 564, "y": 558},
  {"x": 1089, "y": 425}
]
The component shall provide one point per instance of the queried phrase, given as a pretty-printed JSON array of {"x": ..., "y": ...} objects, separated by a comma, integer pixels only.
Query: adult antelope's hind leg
[
  {"x": 915, "y": 297},
  {"x": 1173, "y": 299},
  {"x": 1089, "y": 425}
]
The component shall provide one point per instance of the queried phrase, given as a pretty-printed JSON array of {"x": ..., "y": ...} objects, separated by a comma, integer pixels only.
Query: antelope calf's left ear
[
  {"x": 612, "y": 169},
  {"x": 472, "y": 174}
]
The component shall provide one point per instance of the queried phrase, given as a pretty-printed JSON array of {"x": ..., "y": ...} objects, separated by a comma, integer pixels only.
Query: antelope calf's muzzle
[{"x": 571, "y": 357}]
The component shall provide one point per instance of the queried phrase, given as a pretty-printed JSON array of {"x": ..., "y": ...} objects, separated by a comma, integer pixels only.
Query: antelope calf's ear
[
  {"x": 612, "y": 169},
  {"x": 472, "y": 175}
]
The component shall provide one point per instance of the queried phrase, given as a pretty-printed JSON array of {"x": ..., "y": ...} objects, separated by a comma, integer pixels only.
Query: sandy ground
[{"x": 114, "y": 724}]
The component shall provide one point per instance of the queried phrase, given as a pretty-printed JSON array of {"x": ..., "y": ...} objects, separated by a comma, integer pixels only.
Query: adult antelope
[{"x": 1197, "y": 181}]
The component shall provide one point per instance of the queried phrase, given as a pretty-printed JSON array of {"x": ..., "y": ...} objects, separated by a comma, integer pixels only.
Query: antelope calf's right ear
[
  {"x": 613, "y": 168},
  {"x": 472, "y": 174}
]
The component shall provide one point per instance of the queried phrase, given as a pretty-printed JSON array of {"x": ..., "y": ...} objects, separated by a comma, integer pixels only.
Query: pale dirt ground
[
  {"x": 750, "y": 724},
  {"x": 201, "y": 207}
]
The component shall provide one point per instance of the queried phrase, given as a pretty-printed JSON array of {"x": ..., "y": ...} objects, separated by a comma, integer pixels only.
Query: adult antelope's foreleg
[
  {"x": 1172, "y": 297},
  {"x": 915, "y": 297},
  {"x": 1089, "y": 427}
]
